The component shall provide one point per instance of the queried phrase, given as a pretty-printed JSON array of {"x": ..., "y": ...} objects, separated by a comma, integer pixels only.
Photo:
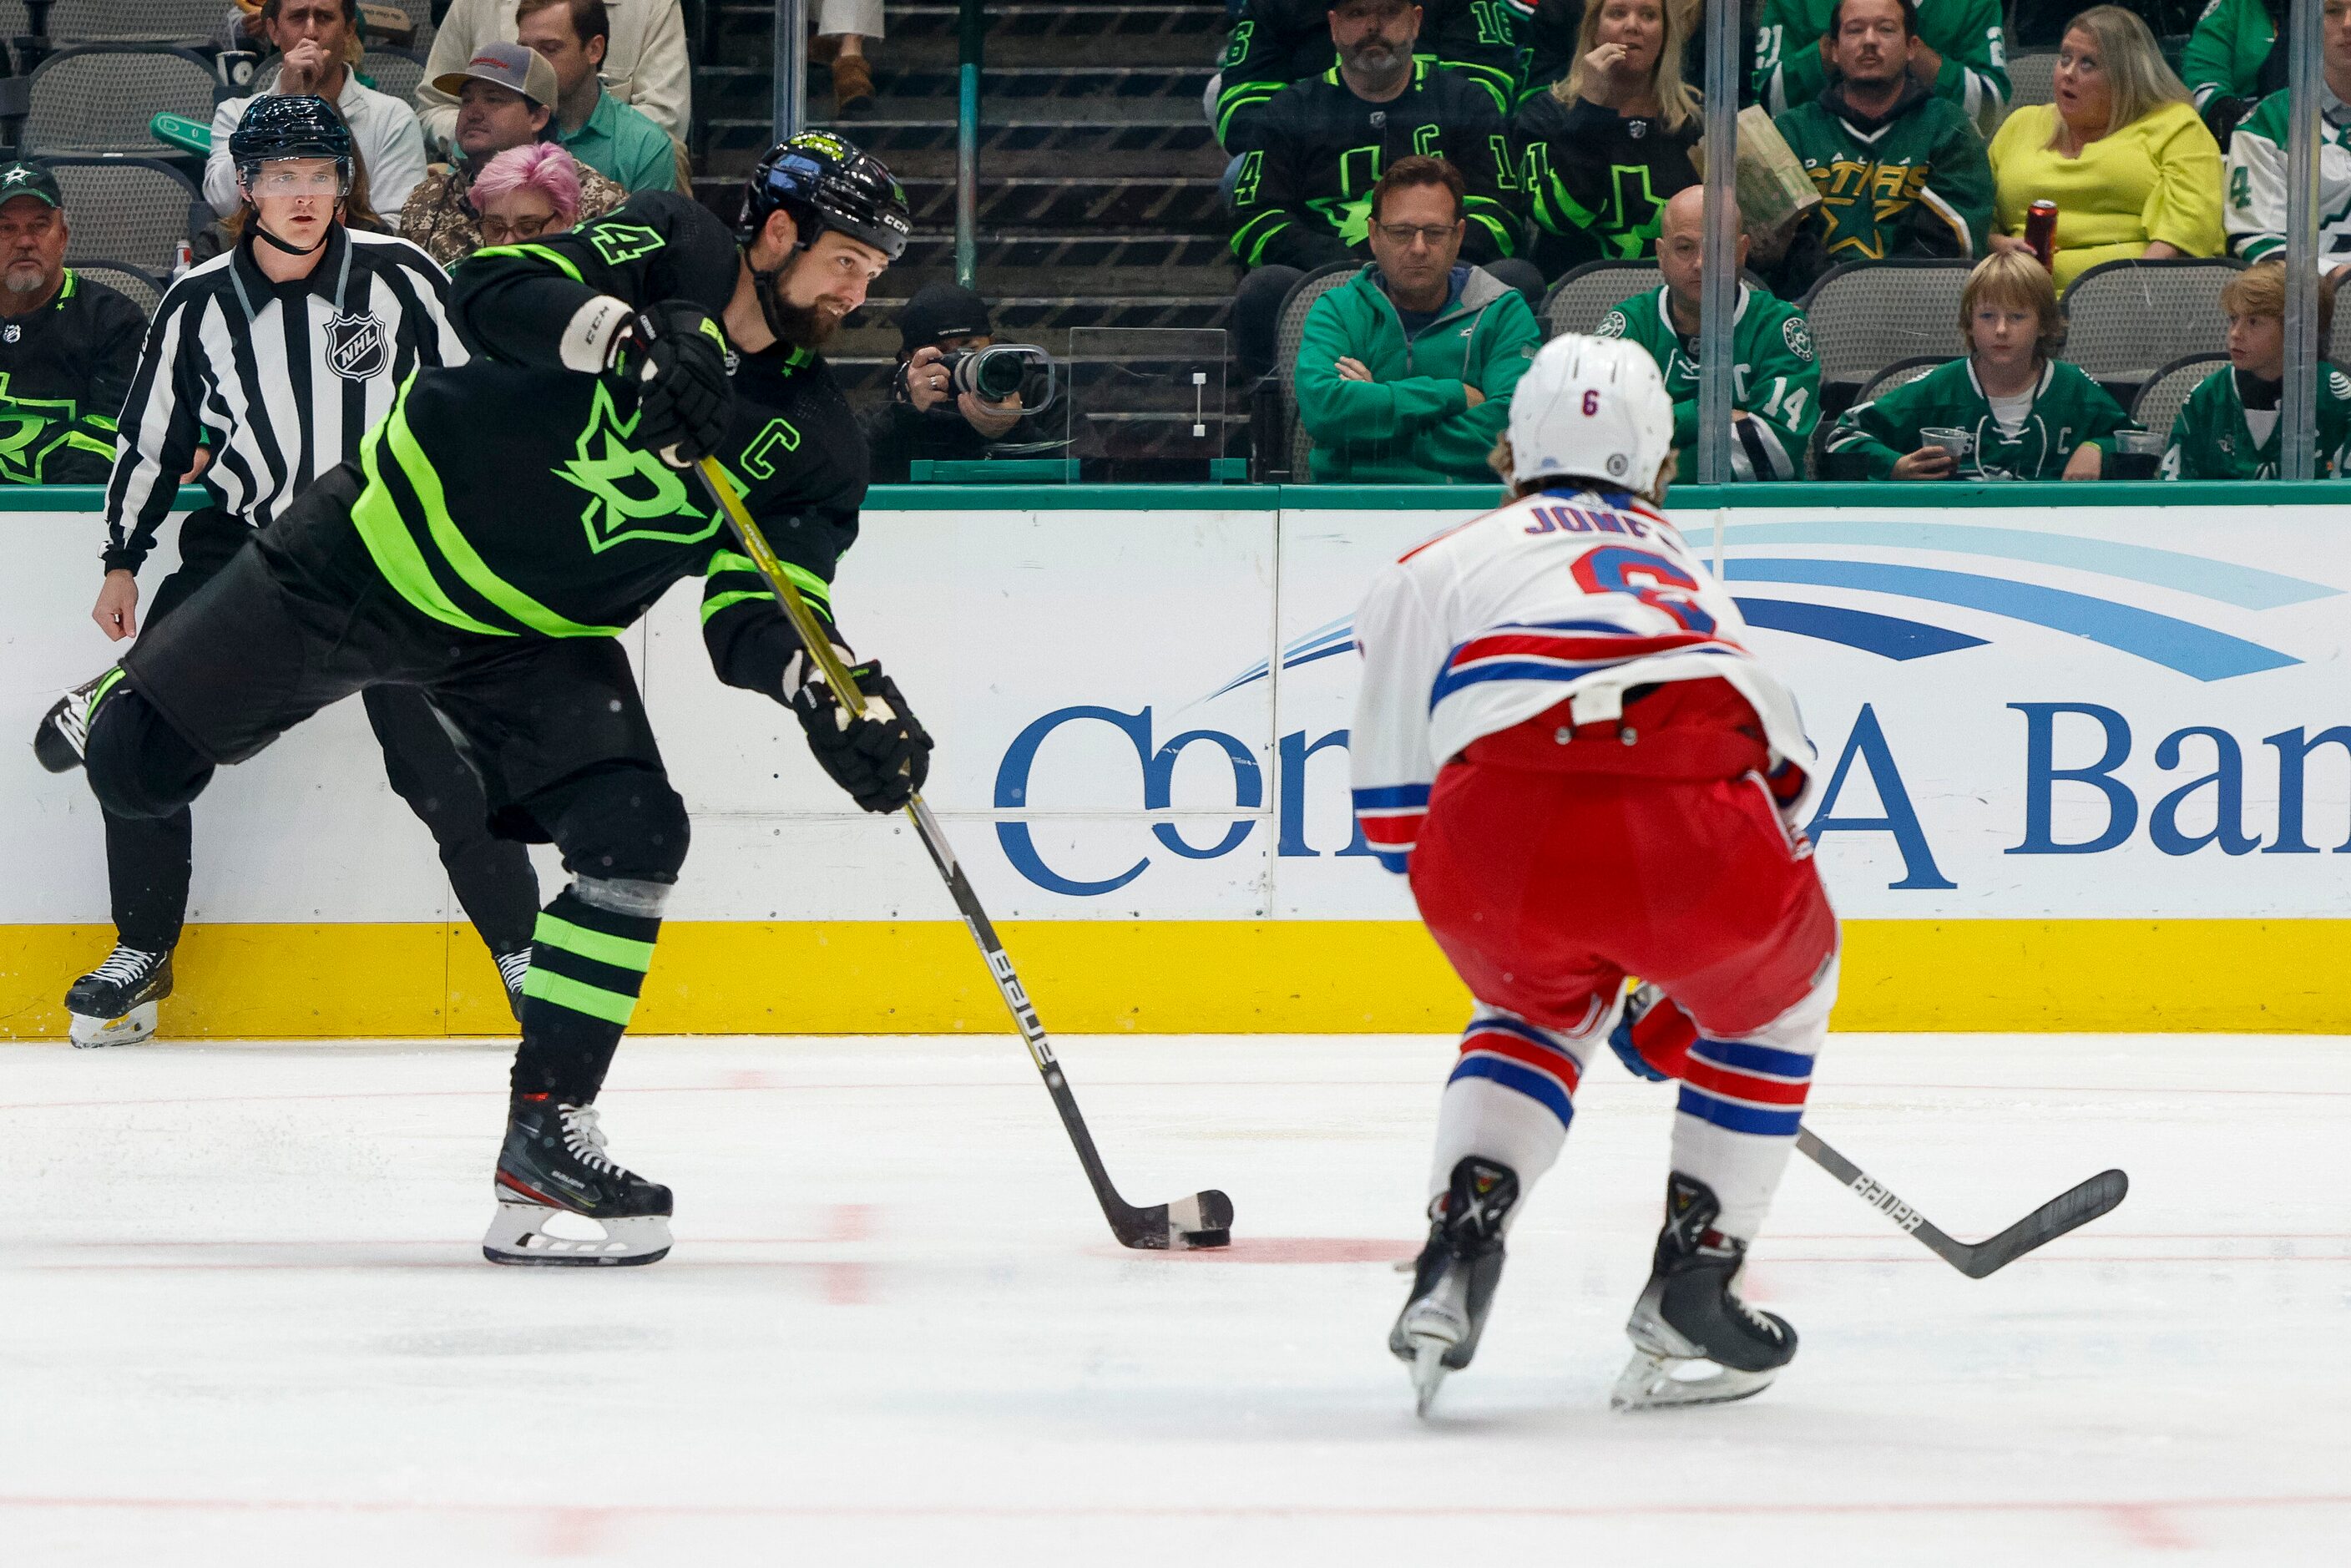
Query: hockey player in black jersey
[{"x": 506, "y": 522}]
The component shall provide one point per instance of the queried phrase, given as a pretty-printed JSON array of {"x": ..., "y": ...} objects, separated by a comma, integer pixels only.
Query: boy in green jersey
[
  {"x": 1775, "y": 379},
  {"x": 1959, "y": 55},
  {"x": 2023, "y": 413},
  {"x": 2228, "y": 428}
]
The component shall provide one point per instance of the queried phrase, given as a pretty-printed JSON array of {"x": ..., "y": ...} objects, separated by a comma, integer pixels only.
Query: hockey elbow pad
[
  {"x": 882, "y": 757},
  {"x": 676, "y": 357}
]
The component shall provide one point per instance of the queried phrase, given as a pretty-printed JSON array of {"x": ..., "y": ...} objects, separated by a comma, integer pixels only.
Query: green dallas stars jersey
[
  {"x": 1967, "y": 33},
  {"x": 1915, "y": 183},
  {"x": 2211, "y": 439},
  {"x": 2068, "y": 409},
  {"x": 507, "y": 497},
  {"x": 2255, "y": 183},
  {"x": 1776, "y": 381},
  {"x": 2226, "y": 52},
  {"x": 1277, "y": 42},
  {"x": 1303, "y": 196}
]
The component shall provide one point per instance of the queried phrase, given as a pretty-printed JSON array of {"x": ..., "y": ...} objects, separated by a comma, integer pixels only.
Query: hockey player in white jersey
[{"x": 1564, "y": 740}]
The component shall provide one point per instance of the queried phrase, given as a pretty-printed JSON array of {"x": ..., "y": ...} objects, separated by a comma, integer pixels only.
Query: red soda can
[{"x": 2041, "y": 231}]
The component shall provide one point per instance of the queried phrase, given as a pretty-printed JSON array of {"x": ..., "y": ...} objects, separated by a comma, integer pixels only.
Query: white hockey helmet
[{"x": 1590, "y": 408}]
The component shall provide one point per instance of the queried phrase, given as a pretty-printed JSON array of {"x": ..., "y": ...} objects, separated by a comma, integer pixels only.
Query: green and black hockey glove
[
  {"x": 675, "y": 356},
  {"x": 879, "y": 759}
]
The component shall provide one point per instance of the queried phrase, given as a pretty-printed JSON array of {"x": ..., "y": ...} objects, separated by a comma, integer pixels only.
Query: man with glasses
[
  {"x": 1404, "y": 373},
  {"x": 505, "y": 96},
  {"x": 68, "y": 346},
  {"x": 277, "y": 356}
]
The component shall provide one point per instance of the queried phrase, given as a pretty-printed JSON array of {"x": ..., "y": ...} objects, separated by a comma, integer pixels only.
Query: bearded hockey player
[
  {"x": 1563, "y": 739},
  {"x": 505, "y": 523}
]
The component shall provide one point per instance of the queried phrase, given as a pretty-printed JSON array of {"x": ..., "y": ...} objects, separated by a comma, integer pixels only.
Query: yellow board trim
[{"x": 1178, "y": 976}]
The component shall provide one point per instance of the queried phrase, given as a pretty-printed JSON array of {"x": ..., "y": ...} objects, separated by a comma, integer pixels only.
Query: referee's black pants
[{"x": 147, "y": 859}]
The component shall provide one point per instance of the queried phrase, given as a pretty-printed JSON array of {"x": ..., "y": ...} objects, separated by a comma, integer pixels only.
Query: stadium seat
[
  {"x": 135, "y": 284},
  {"x": 99, "y": 98},
  {"x": 2125, "y": 318},
  {"x": 2160, "y": 401},
  {"x": 1900, "y": 373},
  {"x": 396, "y": 73},
  {"x": 137, "y": 21},
  {"x": 1580, "y": 299},
  {"x": 1867, "y": 316},
  {"x": 2030, "y": 77},
  {"x": 1291, "y": 329},
  {"x": 128, "y": 210}
]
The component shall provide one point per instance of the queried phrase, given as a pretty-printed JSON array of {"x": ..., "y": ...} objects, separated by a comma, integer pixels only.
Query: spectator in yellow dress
[{"x": 2133, "y": 170}]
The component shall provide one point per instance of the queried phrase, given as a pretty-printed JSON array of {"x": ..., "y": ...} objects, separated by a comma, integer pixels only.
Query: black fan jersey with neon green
[
  {"x": 64, "y": 371},
  {"x": 507, "y": 497},
  {"x": 1303, "y": 198}
]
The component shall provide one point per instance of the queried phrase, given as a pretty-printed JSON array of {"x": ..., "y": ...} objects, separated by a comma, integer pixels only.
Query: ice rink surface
[{"x": 246, "y": 1319}]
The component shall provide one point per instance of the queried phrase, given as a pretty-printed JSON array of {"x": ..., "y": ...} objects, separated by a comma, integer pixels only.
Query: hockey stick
[
  {"x": 1202, "y": 1219},
  {"x": 2097, "y": 1196}
]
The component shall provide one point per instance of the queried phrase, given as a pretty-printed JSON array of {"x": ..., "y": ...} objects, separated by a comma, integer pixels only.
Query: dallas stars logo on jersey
[{"x": 629, "y": 489}]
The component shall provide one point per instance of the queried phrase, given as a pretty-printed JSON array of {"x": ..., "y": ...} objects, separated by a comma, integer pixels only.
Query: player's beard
[{"x": 801, "y": 326}]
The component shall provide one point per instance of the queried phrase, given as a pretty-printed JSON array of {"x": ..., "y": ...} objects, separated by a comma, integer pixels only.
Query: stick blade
[
  {"x": 1191, "y": 1224},
  {"x": 2102, "y": 1193}
]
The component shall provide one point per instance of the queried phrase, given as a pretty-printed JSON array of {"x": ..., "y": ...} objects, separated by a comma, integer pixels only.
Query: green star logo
[
  {"x": 23, "y": 422},
  {"x": 630, "y": 491},
  {"x": 1351, "y": 217}
]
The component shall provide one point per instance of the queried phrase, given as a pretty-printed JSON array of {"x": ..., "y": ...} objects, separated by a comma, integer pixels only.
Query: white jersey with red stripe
[{"x": 1561, "y": 596}]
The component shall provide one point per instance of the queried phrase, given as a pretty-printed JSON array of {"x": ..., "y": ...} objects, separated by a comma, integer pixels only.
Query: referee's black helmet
[{"x": 294, "y": 125}]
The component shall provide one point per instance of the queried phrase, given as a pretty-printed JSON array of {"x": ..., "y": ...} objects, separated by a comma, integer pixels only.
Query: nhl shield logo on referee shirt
[{"x": 357, "y": 349}]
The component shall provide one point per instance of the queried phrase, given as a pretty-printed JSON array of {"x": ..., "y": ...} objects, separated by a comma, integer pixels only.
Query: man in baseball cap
[
  {"x": 68, "y": 346},
  {"x": 506, "y": 98}
]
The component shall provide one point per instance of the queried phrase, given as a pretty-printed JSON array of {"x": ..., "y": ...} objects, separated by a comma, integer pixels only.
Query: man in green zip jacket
[
  {"x": 1775, "y": 396},
  {"x": 1959, "y": 54},
  {"x": 1405, "y": 372}
]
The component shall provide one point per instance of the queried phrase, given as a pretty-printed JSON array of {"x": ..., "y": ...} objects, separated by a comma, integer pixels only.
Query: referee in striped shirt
[{"x": 277, "y": 358}]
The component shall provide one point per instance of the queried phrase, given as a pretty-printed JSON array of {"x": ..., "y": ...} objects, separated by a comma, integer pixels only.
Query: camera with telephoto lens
[{"x": 992, "y": 374}]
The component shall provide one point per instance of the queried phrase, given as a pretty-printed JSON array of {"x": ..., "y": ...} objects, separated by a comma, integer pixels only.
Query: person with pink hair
[{"x": 526, "y": 191}]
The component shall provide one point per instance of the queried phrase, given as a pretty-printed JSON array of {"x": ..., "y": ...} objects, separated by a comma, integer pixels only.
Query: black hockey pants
[
  {"x": 555, "y": 728},
  {"x": 149, "y": 858}
]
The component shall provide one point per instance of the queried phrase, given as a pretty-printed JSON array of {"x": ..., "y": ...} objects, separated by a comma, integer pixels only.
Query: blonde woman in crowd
[
  {"x": 2133, "y": 170},
  {"x": 1622, "y": 107}
]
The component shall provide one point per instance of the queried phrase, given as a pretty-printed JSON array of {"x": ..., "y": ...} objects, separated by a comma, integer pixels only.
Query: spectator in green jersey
[
  {"x": 2023, "y": 412},
  {"x": 2228, "y": 428}
]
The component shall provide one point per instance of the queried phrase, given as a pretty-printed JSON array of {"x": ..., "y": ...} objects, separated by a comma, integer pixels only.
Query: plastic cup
[
  {"x": 2138, "y": 453},
  {"x": 1957, "y": 442}
]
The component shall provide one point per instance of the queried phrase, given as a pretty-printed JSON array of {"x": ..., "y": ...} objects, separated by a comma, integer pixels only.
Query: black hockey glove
[
  {"x": 674, "y": 357},
  {"x": 882, "y": 759}
]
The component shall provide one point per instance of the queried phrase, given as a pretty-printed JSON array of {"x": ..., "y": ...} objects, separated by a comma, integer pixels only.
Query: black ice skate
[
  {"x": 1453, "y": 1282},
  {"x": 1694, "y": 1341},
  {"x": 513, "y": 967},
  {"x": 64, "y": 732},
  {"x": 114, "y": 1004},
  {"x": 554, "y": 1163}
]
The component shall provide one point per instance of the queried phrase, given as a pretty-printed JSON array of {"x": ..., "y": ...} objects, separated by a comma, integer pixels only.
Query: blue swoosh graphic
[
  {"x": 2182, "y": 645},
  {"x": 1887, "y": 636},
  {"x": 2248, "y": 588}
]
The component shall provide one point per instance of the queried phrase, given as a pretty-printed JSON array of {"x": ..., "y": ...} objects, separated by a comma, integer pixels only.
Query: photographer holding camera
[{"x": 928, "y": 417}]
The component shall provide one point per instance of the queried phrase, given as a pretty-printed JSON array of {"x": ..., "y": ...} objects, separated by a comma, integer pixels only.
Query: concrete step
[{"x": 1187, "y": 205}]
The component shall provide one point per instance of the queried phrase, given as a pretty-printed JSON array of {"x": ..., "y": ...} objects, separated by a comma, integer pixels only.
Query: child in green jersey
[
  {"x": 2026, "y": 415},
  {"x": 2228, "y": 428}
]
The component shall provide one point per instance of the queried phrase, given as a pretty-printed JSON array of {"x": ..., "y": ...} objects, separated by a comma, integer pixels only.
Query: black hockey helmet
[
  {"x": 826, "y": 183},
  {"x": 290, "y": 125}
]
